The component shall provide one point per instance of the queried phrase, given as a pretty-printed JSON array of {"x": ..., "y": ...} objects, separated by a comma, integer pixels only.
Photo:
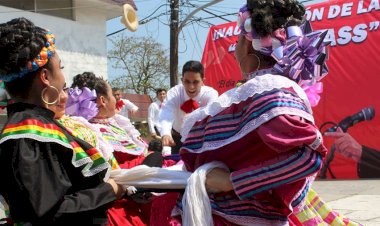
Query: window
[{"x": 58, "y": 8}]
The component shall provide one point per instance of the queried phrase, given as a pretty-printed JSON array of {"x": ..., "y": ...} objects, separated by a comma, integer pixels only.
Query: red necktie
[
  {"x": 189, "y": 106},
  {"x": 120, "y": 104}
]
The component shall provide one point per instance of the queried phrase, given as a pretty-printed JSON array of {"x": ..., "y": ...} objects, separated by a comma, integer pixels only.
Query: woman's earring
[
  {"x": 45, "y": 90},
  {"x": 258, "y": 61}
]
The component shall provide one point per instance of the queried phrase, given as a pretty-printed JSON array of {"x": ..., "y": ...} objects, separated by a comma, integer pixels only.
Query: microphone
[{"x": 365, "y": 114}]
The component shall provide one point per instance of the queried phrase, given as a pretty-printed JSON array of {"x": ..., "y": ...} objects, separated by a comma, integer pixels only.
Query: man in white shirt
[
  {"x": 181, "y": 100},
  {"x": 123, "y": 106},
  {"x": 154, "y": 111}
]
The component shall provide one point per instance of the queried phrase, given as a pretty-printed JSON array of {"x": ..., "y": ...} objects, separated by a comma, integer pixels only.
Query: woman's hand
[
  {"x": 117, "y": 188},
  {"x": 168, "y": 141},
  {"x": 155, "y": 136},
  {"x": 218, "y": 180}
]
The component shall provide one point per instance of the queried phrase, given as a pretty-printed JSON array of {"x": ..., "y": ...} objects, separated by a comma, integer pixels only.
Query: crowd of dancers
[{"x": 258, "y": 142}]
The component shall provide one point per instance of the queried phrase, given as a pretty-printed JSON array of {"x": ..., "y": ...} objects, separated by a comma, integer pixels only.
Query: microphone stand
[
  {"x": 326, "y": 165},
  {"x": 330, "y": 157}
]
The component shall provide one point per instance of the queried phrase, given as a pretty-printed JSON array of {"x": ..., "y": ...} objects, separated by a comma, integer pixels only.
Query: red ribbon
[
  {"x": 189, "y": 106},
  {"x": 120, "y": 104}
]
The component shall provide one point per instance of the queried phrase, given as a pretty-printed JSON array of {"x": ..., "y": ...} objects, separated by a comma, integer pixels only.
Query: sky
[{"x": 192, "y": 38}]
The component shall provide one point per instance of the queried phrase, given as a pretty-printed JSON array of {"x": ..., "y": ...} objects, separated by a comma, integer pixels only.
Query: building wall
[{"x": 81, "y": 44}]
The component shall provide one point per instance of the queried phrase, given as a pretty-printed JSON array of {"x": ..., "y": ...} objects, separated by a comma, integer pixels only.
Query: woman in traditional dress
[
  {"x": 262, "y": 131},
  {"x": 85, "y": 107},
  {"x": 128, "y": 147},
  {"x": 52, "y": 178},
  {"x": 117, "y": 130}
]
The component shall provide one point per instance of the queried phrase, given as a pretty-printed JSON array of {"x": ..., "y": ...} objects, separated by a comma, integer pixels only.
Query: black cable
[
  {"x": 215, "y": 15},
  {"x": 228, "y": 14},
  {"x": 153, "y": 12},
  {"x": 327, "y": 123},
  {"x": 306, "y": 1},
  {"x": 326, "y": 165},
  {"x": 330, "y": 155}
]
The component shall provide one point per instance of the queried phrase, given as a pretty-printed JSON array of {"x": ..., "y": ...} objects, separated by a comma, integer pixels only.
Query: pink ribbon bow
[{"x": 313, "y": 92}]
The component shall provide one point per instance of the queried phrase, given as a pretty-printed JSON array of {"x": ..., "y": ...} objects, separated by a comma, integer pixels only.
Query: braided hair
[
  {"x": 20, "y": 42},
  {"x": 89, "y": 80},
  {"x": 269, "y": 15}
]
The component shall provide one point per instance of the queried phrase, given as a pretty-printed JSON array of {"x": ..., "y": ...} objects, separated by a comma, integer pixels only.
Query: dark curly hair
[
  {"x": 114, "y": 89},
  {"x": 269, "y": 15},
  {"x": 155, "y": 145},
  {"x": 158, "y": 91},
  {"x": 20, "y": 41},
  {"x": 89, "y": 80}
]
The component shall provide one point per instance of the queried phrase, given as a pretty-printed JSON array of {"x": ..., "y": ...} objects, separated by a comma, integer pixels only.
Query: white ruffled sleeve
[{"x": 126, "y": 125}]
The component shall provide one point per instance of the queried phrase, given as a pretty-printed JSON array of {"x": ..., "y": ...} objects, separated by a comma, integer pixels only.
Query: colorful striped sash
[
  {"x": 241, "y": 118},
  {"x": 88, "y": 157}
]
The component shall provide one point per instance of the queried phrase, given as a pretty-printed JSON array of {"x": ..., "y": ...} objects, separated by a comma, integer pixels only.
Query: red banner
[
  {"x": 221, "y": 69},
  {"x": 353, "y": 80}
]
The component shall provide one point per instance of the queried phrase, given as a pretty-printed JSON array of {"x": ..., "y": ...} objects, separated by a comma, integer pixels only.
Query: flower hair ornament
[
  {"x": 81, "y": 102},
  {"x": 303, "y": 57},
  {"x": 41, "y": 59},
  {"x": 300, "y": 52},
  {"x": 266, "y": 44}
]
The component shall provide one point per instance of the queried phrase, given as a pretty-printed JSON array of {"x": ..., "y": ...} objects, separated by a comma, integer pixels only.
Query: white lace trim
[
  {"x": 80, "y": 162},
  {"x": 88, "y": 173},
  {"x": 254, "y": 86},
  {"x": 37, "y": 138}
]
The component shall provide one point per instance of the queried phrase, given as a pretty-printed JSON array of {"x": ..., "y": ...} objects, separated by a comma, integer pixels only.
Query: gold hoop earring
[
  {"x": 43, "y": 92},
  {"x": 258, "y": 63}
]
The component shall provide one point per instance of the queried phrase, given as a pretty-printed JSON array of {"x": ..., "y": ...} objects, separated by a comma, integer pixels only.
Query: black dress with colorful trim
[{"x": 48, "y": 176}]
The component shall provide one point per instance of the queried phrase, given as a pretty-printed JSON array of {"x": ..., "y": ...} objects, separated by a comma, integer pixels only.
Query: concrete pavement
[{"x": 358, "y": 200}]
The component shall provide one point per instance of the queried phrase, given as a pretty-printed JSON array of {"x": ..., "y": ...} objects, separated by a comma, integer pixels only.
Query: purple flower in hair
[
  {"x": 303, "y": 57},
  {"x": 81, "y": 102}
]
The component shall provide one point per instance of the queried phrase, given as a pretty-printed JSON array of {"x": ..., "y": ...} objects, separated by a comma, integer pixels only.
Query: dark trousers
[
  {"x": 156, "y": 130},
  {"x": 154, "y": 159},
  {"x": 177, "y": 139}
]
